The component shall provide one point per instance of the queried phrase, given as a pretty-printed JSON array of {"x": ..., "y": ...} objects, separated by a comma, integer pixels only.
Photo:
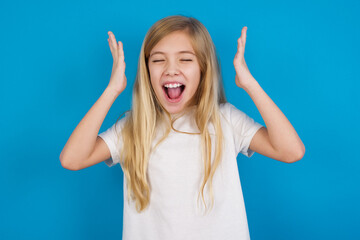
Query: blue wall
[{"x": 55, "y": 63}]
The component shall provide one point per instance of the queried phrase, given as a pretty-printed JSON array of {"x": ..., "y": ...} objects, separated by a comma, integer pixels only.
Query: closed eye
[{"x": 187, "y": 60}]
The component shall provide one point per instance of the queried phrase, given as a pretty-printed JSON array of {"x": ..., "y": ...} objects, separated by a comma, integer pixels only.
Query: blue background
[{"x": 56, "y": 62}]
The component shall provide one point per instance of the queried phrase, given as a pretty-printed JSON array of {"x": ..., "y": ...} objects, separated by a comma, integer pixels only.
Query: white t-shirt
[{"x": 175, "y": 173}]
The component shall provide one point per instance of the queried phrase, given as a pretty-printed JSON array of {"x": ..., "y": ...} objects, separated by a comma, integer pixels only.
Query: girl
[{"x": 181, "y": 138}]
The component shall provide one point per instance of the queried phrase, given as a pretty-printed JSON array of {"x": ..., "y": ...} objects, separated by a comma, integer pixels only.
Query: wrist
[
  {"x": 251, "y": 85},
  {"x": 112, "y": 92}
]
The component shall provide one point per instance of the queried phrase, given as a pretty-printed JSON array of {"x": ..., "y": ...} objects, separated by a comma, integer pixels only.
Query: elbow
[
  {"x": 296, "y": 155},
  {"x": 67, "y": 164}
]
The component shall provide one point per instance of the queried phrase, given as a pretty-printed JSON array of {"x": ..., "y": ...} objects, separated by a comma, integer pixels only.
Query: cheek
[
  {"x": 154, "y": 75},
  {"x": 195, "y": 76}
]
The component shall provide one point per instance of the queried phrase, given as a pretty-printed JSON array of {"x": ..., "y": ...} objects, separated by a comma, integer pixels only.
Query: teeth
[{"x": 175, "y": 85}]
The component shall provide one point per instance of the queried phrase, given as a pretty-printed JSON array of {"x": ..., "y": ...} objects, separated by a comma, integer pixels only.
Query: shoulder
[
  {"x": 229, "y": 111},
  {"x": 120, "y": 122},
  {"x": 236, "y": 117},
  {"x": 225, "y": 108},
  {"x": 228, "y": 107}
]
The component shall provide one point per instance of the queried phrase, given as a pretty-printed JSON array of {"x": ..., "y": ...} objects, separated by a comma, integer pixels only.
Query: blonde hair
[{"x": 140, "y": 127}]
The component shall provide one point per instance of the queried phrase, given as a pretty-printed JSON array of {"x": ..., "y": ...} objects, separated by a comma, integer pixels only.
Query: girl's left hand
[{"x": 243, "y": 76}]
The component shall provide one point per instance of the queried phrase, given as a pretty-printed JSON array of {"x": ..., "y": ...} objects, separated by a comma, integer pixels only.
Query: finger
[
  {"x": 240, "y": 46},
  {"x": 244, "y": 35},
  {"x": 112, "y": 40},
  {"x": 242, "y": 41},
  {"x": 110, "y": 45},
  {"x": 121, "y": 51}
]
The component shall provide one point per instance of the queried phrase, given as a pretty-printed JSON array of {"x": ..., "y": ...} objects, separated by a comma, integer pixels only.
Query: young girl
[{"x": 181, "y": 138}]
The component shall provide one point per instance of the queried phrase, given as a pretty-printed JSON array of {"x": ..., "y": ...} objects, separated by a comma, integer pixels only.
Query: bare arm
[
  {"x": 82, "y": 142},
  {"x": 279, "y": 134},
  {"x": 279, "y": 140}
]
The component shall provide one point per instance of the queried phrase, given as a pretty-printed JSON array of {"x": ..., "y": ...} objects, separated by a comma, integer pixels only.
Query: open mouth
[{"x": 173, "y": 91}]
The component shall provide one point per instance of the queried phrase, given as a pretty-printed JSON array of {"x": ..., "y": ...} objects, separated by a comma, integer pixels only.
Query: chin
[{"x": 174, "y": 110}]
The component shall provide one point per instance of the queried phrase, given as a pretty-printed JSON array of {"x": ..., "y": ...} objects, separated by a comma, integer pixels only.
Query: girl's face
[{"x": 174, "y": 71}]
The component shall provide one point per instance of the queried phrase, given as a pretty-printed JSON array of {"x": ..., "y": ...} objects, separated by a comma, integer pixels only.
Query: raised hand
[
  {"x": 118, "y": 78},
  {"x": 243, "y": 76}
]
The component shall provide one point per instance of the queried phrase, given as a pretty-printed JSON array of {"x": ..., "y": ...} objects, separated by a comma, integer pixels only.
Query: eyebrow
[{"x": 159, "y": 52}]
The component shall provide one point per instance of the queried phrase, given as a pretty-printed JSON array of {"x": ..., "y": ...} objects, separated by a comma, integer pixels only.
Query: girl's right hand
[{"x": 118, "y": 78}]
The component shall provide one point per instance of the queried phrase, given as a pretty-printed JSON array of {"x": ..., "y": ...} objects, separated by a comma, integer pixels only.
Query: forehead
[{"x": 177, "y": 42}]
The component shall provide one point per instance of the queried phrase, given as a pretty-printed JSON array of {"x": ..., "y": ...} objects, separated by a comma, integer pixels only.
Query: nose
[{"x": 171, "y": 68}]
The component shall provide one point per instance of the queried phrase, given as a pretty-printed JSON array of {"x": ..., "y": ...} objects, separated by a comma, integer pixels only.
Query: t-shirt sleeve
[
  {"x": 244, "y": 129},
  {"x": 113, "y": 139}
]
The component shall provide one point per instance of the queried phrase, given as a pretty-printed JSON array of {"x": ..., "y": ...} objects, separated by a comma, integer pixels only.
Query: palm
[
  {"x": 118, "y": 78},
  {"x": 243, "y": 75}
]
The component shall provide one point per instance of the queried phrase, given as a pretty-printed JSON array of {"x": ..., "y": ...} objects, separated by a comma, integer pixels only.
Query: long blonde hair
[{"x": 140, "y": 126}]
